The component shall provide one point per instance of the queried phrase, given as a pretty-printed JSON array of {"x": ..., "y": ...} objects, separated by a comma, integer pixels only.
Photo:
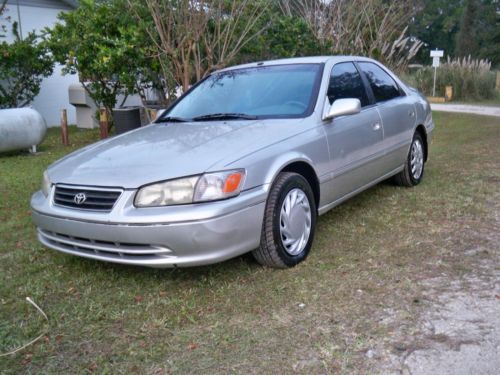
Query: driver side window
[{"x": 345, "y": 82}]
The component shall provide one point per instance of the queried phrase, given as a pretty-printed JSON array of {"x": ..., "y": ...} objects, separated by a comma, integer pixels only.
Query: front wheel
[
  {"x": 413, "y": 171},
  {"x": 289, "y": 222}
]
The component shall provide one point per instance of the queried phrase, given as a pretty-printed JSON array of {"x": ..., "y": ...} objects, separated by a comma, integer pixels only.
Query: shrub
[
  {"x": 471, "y": 79},
  {"x": 23, "y": 65},
  {"x": 103, "y": 44}
]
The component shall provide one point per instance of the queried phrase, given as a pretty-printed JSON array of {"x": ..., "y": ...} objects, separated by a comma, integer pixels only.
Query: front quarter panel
[
  {"x": 265, "y": 164},
  {"x": 424, "y": 113}
]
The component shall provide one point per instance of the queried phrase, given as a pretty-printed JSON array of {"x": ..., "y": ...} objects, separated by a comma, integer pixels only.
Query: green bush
[
  {"x": 23, "y": 65},
  {"x": 471, "y": 79}
]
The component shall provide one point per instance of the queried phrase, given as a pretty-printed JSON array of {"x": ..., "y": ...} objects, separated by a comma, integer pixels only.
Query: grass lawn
[{"x": 360, "y": 285}]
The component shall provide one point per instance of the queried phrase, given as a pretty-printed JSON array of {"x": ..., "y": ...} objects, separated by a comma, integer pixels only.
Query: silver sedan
[{"x": 244, "y": 161}]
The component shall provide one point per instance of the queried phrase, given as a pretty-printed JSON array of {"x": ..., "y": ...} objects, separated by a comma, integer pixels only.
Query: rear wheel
[
  {"x": 289, "y": 222},
  {"x": 413, "y": 171}
]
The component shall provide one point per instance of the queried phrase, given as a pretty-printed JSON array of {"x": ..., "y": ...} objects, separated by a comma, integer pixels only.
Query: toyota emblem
[{"x": 80, "y": 198}]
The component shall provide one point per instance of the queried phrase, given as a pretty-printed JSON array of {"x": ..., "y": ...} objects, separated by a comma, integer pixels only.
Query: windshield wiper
[
  {"x": 224, "y": 116},
  {"x": 172, "y": 119}
]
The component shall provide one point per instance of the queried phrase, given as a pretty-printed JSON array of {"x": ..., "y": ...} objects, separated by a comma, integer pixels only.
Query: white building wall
[{"x": 53, "y": 94}]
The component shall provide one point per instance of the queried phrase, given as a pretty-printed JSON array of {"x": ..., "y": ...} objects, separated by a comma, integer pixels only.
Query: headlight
[
  {"x": 220, "y": 185},
  {"x": 207, "y": 187},
  {"x": 167, "y": 193},
  {"x": 46, "y": 184}
]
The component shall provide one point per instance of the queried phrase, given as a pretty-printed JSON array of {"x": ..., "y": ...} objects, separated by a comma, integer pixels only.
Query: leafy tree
[
  {"x": 23, "y": 65},
  {"x": 494, "y": 41},
  {"x": 437, "y": 24},
  {"x": 109, "y": 50},
  {"x": 460, "y": 27},
  {"x": 286, "y": 36},
  {"x": 467, "y": 38},
  {"x": 478, "y": 28}
]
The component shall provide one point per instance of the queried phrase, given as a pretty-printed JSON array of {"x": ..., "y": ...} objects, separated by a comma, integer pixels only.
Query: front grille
[
  {"x": 102, "y": 249},
  {"x": 86, "y": 198}
]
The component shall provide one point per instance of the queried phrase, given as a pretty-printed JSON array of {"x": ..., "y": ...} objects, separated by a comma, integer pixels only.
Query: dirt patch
[{"x": 459, "y": 330}]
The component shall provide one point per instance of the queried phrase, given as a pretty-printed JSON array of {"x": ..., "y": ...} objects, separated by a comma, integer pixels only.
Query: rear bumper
[{"x": 162, "y": 244}]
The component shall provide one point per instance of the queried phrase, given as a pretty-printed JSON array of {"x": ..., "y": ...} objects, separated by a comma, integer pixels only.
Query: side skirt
[{"x": 329, "y": 206}]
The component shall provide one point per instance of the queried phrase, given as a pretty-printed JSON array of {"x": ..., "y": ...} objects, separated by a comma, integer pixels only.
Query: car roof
[{"x": 299, "y": 60}]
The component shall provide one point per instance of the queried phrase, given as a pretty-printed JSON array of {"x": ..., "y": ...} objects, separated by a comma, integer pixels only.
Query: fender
[{"x": 285, "y": 160}]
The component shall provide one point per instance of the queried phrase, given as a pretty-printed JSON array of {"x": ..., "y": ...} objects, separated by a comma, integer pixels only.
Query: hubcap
[
  {"x": 295, "y": 221},
  {"x": 416, "y": 159}
]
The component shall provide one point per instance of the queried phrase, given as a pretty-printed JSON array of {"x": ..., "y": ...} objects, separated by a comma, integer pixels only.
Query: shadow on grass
[
  {"x": 19, "y": 153},
  {"x": 244, "y": 263}
]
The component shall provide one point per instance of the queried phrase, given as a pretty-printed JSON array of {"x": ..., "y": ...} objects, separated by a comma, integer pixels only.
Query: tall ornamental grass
[{"x": 471, "y": 79}]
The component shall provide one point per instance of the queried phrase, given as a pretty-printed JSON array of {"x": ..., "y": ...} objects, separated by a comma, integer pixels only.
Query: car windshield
[{"x": 262, "y": 92}]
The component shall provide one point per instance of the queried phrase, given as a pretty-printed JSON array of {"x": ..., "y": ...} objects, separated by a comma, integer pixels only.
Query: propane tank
[{"x": 21, "y": 128}]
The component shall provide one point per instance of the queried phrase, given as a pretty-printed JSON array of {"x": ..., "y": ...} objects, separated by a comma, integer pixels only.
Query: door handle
[
  {"x": 376, "y": 126},
  {"x": 411, "y": 113}
]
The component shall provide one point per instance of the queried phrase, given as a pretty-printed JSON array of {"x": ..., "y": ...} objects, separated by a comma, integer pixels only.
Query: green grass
[{"x": 357, "y": 288}]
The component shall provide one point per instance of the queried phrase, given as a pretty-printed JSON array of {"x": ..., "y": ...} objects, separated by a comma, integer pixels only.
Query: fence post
[
  {"x": 103, "y": 122},
  {"x": 153, "y": 114},
  {"x": 498, "y": 80},
  {"x": 64, "y": 127}
]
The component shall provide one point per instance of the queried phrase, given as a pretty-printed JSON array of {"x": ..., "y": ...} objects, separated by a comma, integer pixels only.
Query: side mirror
[{"x": 342, "y": 107}]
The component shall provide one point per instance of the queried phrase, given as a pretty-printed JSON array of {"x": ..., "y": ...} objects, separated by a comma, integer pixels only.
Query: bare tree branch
[
  {"x": 359, "y": 27},
  {"x": 194, "y": 37}
]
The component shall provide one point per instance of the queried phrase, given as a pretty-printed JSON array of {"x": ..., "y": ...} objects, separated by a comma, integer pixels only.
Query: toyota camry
[{"x": 244, "y": 161}]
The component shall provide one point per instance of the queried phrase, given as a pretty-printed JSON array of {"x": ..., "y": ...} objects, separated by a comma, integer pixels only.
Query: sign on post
[
  {"x": 435, "y": 62},
  {"x": 436, "y": 55}
]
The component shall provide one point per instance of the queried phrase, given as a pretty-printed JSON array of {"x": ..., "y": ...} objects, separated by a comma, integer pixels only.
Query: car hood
[{"x": 165, "y": 151}]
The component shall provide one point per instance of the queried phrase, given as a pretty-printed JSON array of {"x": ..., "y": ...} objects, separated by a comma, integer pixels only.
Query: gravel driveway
[
  {"x": 467, "y": 108},
  {"x": 459, "y": 333}
]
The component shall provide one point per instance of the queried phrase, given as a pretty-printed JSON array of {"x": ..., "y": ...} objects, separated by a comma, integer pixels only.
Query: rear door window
[
  {"x": 346, "y": 83},
  {"x": 383, "y": 86}
]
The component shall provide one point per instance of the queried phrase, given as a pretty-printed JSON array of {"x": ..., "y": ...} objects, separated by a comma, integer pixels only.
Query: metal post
[
  {"x": 434, "y": 86},
  {"x": 103, "y": 123},
  {"x": 20, "y": 24},
  {"x": 436, "y": 55},
  {"x": 64, "y": 127}
]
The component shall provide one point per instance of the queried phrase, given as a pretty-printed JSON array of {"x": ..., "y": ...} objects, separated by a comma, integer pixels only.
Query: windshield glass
[{"x": 263, "y": 92}]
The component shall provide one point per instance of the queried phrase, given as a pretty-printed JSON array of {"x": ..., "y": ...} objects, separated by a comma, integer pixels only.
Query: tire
[
  {"x": 290, "y": 210},
  {"x": 413, "y": 171}
]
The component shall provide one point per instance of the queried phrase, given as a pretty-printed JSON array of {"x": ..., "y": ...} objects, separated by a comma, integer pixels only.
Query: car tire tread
[
  {"x": 269, "y": 254},
  {"x": 404, "y": 178}
]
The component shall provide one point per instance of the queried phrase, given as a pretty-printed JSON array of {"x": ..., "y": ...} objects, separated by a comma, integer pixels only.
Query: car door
[
  {"x": 397, "y": 112},
  {"x": 354, "y": 141}
]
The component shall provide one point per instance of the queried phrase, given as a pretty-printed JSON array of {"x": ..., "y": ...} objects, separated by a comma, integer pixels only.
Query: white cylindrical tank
[{"x": 21, "y": 128}]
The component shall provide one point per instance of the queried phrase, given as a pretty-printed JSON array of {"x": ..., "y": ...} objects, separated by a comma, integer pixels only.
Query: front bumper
[{"x": 166, "y": 238}]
